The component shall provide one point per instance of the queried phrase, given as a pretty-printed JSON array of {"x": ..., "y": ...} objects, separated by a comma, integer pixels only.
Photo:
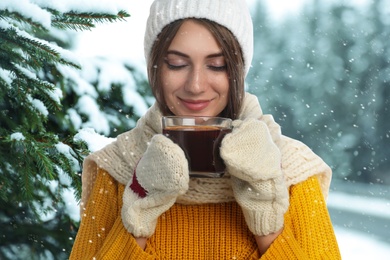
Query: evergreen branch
[
  {"x": 21, "y": 164},
  {"x": 73, "y": 25},
  {"x": 69, "y": 63},
  {"x": 49, "y": 102},
  {"x": 78, "y": 151},
  {"x": 84, "y": 21},
  {"x": 99, "y": 17},
  {"x": 23, "y": 116},
  {"x": 7, "y": 15},
  {"x": 35, "y": 149},
  {"x": 64, "y": 21},
  {"x": 34, "y": 85},
  {"x": 7, "y": 49},
  {"x": 122, "y": 15},
  {"x": 37, "y": 53},
  {"x": 12, "y": 113},
  {"x": 43, "y": 163}
]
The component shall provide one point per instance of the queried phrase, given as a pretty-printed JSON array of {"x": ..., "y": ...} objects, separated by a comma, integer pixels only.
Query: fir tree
[
  {"x": 40, "y": 92},
  {"x": 324, "y": 76}
]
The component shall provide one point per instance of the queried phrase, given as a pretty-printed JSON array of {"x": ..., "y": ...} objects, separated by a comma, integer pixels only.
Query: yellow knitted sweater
[{"x": 205, "y": 231}]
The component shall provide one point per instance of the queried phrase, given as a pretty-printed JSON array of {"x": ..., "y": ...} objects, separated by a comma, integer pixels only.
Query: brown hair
[{"x": 231, "y": 50}]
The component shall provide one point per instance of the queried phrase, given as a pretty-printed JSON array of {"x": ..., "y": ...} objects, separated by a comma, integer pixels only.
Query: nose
[{"x": 196, "y": 82}]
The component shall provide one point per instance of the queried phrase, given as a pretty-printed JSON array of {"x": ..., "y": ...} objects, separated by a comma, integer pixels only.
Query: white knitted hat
[{"x": 233, "y": 14}]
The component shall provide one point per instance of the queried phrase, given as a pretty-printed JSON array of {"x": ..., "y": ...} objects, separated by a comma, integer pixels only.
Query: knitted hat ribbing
[{"x": 233, "y": 14}]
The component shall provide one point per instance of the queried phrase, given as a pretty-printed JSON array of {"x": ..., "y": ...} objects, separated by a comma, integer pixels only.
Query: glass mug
[{"x": 200, "y": 138}]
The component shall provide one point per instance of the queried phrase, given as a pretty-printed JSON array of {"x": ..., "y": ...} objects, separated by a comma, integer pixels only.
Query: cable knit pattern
[
  {"x": 299, "y": 163},
  {"x": 120, "y": 158}
]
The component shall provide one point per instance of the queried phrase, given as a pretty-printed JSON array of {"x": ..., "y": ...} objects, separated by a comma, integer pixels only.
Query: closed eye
[
  {"x": 174, "y": 67},
  {"x": 218, "y": 68}
]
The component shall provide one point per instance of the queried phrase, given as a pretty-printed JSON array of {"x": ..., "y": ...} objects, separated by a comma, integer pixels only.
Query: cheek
[
  {"x": 224, "y": 100},
  {"x": 170, "y": 82},
  {"x": 222, "y": 86},
  {"x": 166, "y": 82},
  {"x": 167, "y": 91},
  {"x": 169, "y": 88},
  {"x": 224, "y": 91}
]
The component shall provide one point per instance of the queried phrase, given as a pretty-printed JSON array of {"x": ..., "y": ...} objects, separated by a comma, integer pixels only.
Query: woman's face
[{"x": 194, "y": 75}]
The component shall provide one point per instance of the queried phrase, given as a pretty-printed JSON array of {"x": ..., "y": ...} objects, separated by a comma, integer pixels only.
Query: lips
[{"x": 195, "y": 105}]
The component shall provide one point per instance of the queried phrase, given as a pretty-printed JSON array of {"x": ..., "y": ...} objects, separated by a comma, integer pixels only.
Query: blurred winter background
[{"x": 321, "y": 67}]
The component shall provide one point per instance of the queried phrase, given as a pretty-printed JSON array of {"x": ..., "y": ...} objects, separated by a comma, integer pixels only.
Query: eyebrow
[{"x": 214, "y": 55}]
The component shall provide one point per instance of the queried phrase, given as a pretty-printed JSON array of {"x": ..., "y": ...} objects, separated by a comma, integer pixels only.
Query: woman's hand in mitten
[
  {"x": 160, "y": 177},
  {"x": 254, "y": 163}
]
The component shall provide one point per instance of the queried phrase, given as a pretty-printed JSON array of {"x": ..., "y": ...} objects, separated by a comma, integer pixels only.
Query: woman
[{"x": 138, "y": 201}]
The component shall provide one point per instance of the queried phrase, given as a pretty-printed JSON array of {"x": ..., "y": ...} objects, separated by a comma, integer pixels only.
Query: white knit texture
[
  {"x": 233, "y": 14},
  {"x": 254, "y": 163},
  {"x": 163, "y": 173},
  {"x": 241, "y": 149},
  {"x": 263, "y": 203}
]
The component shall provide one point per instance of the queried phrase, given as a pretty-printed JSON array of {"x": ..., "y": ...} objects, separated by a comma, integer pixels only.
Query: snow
[
  {"x": 134, "y": 99},
  {"x": 6, "y": 76},
  {"x": 67, "y": 151},
  {"x": 97, "y": 119},
  {"x": 17, "y": 137},
  {"x": 81, "y": 86},
  {"x": 38, "y": 105},
  {"x": 28, "y": 9},
  {"x": 114, "y": 73},
  {"x": 355, "y": 245},
  {"x": 71, "y": 205},
  {"x": 66, "y": 54},
  {"x": 94, "y": 140},
  {"x": 56, "y": 95},
  {"x": 124, "y": 40},
  {"x": 111, "y": 7},
  {"x": 33, "y": 9},
  {"x": 26, "y": 72},
  {"x": 360, "y": 245},
  {"x": 75, "y": 118},
  {"x": 372, "y": 207}
]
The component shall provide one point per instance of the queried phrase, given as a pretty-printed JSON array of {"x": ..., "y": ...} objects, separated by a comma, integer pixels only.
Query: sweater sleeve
[
  {"x": 308, "y": 232},
  {"x": 101, "y": 234}
]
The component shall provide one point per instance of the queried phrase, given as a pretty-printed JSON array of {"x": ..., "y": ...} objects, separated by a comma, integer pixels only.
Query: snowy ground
[{"x": 358, "y": 245}]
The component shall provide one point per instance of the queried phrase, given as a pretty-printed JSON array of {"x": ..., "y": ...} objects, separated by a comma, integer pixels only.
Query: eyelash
[
  {"x": 178, "y": 67},
  {"x": 220, "y": 68},
  {"x": 174, "y": 67}
]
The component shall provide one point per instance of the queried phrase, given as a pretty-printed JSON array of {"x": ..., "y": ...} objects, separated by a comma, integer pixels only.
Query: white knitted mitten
[
  {"x": 254, "y": 163},
  {"x": 161, "y": 175}
]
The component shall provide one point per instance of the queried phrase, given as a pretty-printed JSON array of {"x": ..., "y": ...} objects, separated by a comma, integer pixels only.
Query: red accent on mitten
[{"x": 137, "y": 188}]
